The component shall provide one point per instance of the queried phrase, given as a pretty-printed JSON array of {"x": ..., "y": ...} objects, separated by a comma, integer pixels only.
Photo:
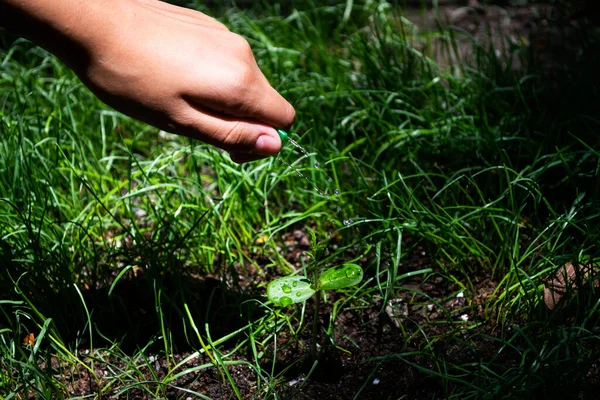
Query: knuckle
[
  {"x": 177, "y": 116},
  {"x": 242, "y": 87},
  {"x": 181, "y": 124},
  {"x": 243, "y": 78},
  {"x": 231, "y": 135},
  {"x": 241, "y": 46}
]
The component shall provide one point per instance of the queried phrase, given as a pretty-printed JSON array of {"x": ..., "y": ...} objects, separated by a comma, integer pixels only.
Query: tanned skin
[{"x": 177, "y": 69}]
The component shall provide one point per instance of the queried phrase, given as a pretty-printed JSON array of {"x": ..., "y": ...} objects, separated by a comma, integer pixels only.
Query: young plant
[{"x": 288, "y": 290}]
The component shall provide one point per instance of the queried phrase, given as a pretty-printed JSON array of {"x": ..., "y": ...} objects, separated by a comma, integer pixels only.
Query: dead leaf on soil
[{"x": 29, "y": 339}]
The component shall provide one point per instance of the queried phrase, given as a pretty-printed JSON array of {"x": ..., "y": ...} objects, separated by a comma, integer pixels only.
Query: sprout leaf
[
  {"x": 340, "y": 277},
  {"x": 289, "y": 289}
]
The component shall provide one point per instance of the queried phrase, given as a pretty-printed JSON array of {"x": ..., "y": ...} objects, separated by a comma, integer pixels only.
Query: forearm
[{"x": 69, "y": 28}]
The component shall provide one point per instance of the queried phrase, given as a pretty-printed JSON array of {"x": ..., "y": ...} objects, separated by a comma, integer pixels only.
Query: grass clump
[{"x": 139, "y": 261}]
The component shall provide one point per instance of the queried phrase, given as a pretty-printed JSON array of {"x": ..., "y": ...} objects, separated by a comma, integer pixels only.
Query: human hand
[{"x": 176, "y": 69}]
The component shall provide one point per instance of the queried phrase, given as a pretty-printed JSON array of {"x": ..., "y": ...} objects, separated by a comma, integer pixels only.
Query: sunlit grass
[{"x": 147, "y": 256}]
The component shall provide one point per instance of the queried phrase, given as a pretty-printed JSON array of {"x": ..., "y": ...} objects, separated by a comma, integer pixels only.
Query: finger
[
  {"x": 231, "y": 134},
  {"x": 267, "y": 105},
  {"x": 243, "y": 92},
  {"x": 272, "y": 108}
]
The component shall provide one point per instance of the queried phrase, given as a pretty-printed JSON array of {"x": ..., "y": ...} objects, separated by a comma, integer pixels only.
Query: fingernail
[{"x": 268, "y": 144}]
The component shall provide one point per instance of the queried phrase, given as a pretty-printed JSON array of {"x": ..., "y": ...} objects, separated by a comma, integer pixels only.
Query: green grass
[{"x": 121, "y": 247}]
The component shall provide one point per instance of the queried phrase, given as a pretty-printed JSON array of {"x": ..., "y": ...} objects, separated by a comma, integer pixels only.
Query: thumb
[{"x": 232, "y": 134}]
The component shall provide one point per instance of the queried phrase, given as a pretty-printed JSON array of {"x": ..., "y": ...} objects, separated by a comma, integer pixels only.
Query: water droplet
[
  {"x": 317, "y": 165},
  {"x": 329, "y": 180},
  {"x": 336, "y": 192},
  {"x": 351, "y": 273},
  {"x": 285, "y": 301},
  {"x": 300, "y": 174},
  {"x": 348, "y": 222},
  {"x": 298, "y": 294},
  {"x": 297, "y": 146},
  {"x": 294, "y": 284},
  {"x": 286, "y": 289}
]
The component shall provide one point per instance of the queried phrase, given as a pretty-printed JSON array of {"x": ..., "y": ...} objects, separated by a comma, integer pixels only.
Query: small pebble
[{"x": 295, "y": 381}]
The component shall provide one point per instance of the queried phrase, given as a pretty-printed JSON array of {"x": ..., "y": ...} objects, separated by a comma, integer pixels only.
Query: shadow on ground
[{"x": 132, "y": 311}]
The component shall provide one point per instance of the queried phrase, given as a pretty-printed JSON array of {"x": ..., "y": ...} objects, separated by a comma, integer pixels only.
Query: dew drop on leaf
[
  {"x": 289, "y": 289},
  {"x": 340, "y": 277},
  {"x": 336, "y": 192},
  {"x": 348, "y": 222},
  {"x": 285, "y": 301}
]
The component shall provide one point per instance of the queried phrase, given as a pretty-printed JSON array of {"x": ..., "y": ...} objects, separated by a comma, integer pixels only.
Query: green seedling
[
  {"x": 340, "y": 277},
  {"x": 290, "y": 289},
  {"x": 297, "y": 289}
]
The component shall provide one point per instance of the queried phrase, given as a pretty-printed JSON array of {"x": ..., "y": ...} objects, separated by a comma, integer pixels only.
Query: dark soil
[
  {"x": 385, "y": 350},
  {"x": 366, "y": 359}
]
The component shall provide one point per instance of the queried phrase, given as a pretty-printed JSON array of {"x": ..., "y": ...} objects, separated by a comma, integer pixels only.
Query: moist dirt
[{"x": 386, "y": 349}]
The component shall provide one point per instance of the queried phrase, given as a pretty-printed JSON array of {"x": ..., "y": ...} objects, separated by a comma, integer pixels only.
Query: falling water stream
[{"x": 336, "y": 192}]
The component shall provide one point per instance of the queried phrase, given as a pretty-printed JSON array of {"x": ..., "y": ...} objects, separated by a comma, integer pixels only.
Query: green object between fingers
[{"x": 282, "y": 134}]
